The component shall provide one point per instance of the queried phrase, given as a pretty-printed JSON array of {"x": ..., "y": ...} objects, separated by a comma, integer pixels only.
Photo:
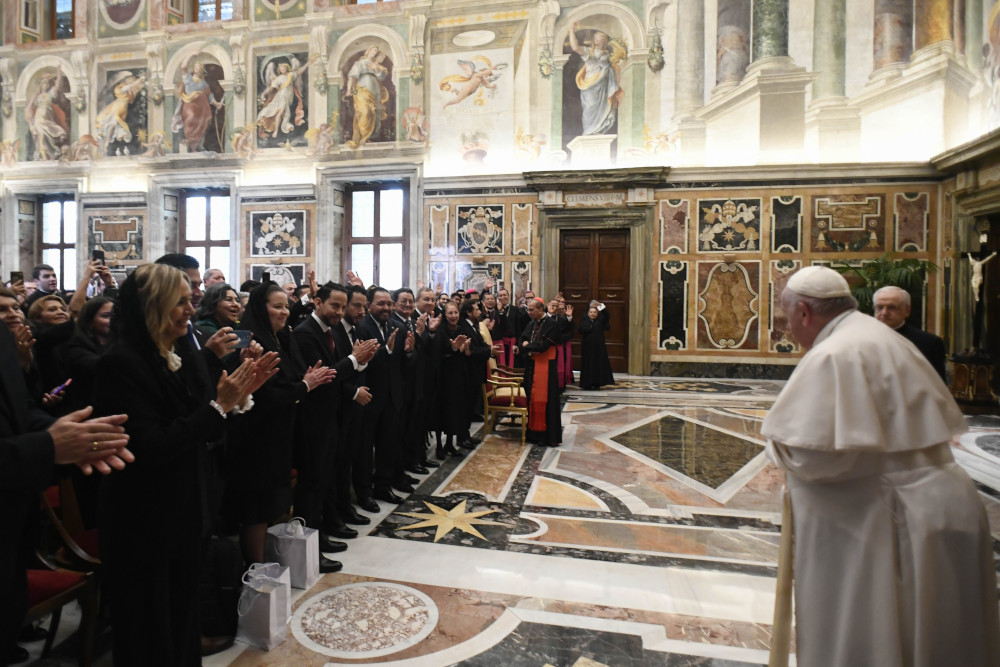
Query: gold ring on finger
[{"x": 94, "y": 448}]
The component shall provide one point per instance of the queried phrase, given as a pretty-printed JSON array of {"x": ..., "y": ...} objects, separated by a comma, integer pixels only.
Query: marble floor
[{"x": 650, "y": 537}]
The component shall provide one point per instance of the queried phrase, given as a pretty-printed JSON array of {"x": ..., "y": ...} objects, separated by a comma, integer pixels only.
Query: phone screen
[
  {"x": 265, "y": 277},
  {"x": 16, "y": 276},
  {"x": 99, "y": 256},
  {"x": 244, "y": 337}
]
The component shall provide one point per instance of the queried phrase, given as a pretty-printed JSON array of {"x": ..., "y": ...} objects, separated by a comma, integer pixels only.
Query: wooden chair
[
  {"x": 51, "y": 589},
  {"x": 504, "y": 398}
]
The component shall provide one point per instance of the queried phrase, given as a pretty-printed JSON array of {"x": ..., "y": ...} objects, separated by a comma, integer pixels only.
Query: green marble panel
[{"x": 700, "y": 452}]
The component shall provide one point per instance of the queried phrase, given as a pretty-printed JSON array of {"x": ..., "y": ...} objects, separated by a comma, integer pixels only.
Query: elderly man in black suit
[
  {"x": 892, "y": 307},
  {"x": 317, "y": 460},
  {"x": 31, "y": 445},
  {"x": 385, "y": 376}
]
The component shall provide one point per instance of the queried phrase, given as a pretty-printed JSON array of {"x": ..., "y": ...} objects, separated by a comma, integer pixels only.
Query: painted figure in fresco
[
  {"x": 283, "y": 107},
  {"x": 364, "y": 85},
  {"x": 991, "y": 65},
  {"x": 471, "y": 80},
  {"x": 321, "y": 139},
  {"x": 415, "y": 123},
  {"x": 111, "y": 121},
  {"x": 8, "y": 152},
  {"x": 48, "y": 117},
  {"x": 244, "y": 142},
  {"x": 195, "y": 112},
  {"x": 598, "y": 81},
  {"x": 84, "y": 148},
  {"x": 155, "y": 145}
]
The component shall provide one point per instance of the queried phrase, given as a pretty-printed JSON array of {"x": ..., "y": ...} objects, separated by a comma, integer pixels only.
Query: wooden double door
[{"x": 594, "y": 264}]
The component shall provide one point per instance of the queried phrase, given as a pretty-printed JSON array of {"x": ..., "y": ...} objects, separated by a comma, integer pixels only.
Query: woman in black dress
[
  {"x": 152, "y": 514},
  {"x": 453, "y": 390},
  {"x": 261, "y": 443},
  {"x": 595, "y": 367}
]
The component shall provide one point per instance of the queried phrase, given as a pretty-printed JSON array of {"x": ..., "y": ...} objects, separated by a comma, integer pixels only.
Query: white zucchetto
[{"x": 818, "y": 282}]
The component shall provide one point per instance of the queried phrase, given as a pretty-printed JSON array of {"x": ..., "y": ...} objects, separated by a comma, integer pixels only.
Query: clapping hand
[
  {"x": 264, "y": 367},
  {"x": 422, "y": 324},
  {"x": 232, "y": 390},
  {"x": 410, "y": 341},
  {"x": 490, "y": 324},
  {"x": 391, "y": 340},
  {"x": 253, "y": 351},
  {"x": 318, "y": 375},
  {"x": 364, "y": 350},
  {"x": 433, "y": 323}
]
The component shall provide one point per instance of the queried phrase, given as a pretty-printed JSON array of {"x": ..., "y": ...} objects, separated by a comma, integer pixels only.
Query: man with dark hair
[
  {"x": 249, "y": 285},
  {"x": 188, "y": 265},
  {"x": 320, "y": 451},
  {"x": 358, "y": 468},
  {"x": 47, "y": 285},
  {"x": 411, "y": 452},
  {"x": 385, "y": 377},
  {"x": 478, "y": 359}
]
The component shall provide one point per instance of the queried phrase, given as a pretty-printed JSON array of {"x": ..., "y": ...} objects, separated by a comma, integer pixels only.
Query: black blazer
[
  {"x": 314, "y": 346},
  {"x": 384, "y": 375},
  {"x": 929, "y": 345}
]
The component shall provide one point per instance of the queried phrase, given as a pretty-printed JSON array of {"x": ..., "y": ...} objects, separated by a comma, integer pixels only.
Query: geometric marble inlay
[
  {"x": 364, "y": 620},
  {"x": 694, "y": 450}
]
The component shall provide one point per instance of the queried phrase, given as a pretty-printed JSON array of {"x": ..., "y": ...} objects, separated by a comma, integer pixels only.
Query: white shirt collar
[{"x": 319, "y": 320}]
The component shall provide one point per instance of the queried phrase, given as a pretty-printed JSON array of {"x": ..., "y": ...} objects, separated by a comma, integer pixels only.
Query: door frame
[{"x": 640, "y": 220}]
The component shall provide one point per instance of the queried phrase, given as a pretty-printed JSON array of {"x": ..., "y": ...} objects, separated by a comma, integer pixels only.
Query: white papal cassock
[{"x": 893, "y": 562}]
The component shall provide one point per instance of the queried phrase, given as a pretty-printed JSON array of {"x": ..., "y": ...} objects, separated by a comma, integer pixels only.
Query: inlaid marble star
[{"x": 448, "y": 520}]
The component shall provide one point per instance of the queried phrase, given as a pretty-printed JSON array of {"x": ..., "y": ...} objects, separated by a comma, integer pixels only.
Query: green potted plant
[{"x": 907, "y": 273}]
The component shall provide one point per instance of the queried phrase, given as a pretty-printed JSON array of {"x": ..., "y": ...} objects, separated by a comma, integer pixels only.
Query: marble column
[
  {"x": 936, "y": 21},
  {"x": 893, "y": 42},
  {"x": 829, "y": 28},
  {"x": 770, "y": 28},
  {"x": 733, "y": 41},
  {"x": 974, "y": 35},
  {"x": 689, "y": 77}
]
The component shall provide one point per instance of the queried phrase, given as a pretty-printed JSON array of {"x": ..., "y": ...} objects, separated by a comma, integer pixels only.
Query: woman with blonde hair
[{"x": 153, "y": 518}]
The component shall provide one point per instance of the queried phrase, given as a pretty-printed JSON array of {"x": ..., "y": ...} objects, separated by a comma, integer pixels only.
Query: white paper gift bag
[
  {"x": 265, "y": 606},
  {"x": 296, "y": 546}
]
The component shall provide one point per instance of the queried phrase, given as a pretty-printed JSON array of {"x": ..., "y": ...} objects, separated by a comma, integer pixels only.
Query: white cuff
[{"x": 218, "y": 408}]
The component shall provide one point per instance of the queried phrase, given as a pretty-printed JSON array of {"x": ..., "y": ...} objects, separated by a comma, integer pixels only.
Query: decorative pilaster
[
  {"x": 770, "y": 29},
  {"x": 829, "y": 39},
  {"x": 893, "y": 41},
  {"x": 689, "y": 65}
]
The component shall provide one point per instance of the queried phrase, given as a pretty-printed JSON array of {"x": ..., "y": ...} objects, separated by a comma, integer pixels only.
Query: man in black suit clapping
[{"x": 317, "y": 460}]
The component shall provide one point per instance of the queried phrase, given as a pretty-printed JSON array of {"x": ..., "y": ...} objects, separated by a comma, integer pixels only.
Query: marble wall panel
[
  {"x": 27, "y": 229},
  {"x": 786, "y": 224},
  {"x": 729, "y": 225},
  {"x": 479, "y": 229},
  {"x": 911, "y": 221},
  {"x": 522, "y": 224},
  {"x": 520, "y": 278},
  {"x": 673, "y": 321},
  {"x": 118, "y": 232},
  {"x": 779, "y": 337},
  {"x": 280, "y": 233},
  {"x": 280, "y": 273},
  {"x": 674, "y": 216},
  {"x": 437, "y": 233},
  {"x": 728, "y": 306},
  {"x": 848, "y": 223}
]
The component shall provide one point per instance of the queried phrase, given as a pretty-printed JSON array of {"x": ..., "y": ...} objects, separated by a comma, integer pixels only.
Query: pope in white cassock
[{"x": 893, "y": 563}]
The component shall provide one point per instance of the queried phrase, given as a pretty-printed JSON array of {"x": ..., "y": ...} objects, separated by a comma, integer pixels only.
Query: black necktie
[{"x": 350, "y": 334}]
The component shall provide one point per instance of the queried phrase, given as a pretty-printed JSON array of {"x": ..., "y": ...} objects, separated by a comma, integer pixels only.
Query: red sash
[{"x": 540, "y": 389}]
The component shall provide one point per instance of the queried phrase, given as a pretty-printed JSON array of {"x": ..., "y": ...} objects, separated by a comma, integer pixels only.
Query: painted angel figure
[
  {"x": 598, "y": 80},
  {"x": 283, "y": 105},
  {"x": 365, "y": 84},
  {"x": 471, "y": 80},
  {"x": 194, "y": 112},
  {"x": 47, "y": 114},
  {"x": 112, "y": 120}
]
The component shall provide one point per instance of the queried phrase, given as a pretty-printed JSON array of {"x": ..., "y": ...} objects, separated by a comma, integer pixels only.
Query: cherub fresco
[
  {"x": 281, "y": 103},
  {"x": 472, "y": 80},
  {"x": 244, "y": 141},
  {"x": 84, "y": 148},
  {"x": 199, "y": 118},
  {"x": 8, "y": 152},
  {"x": 415, "y": 123},
  {"x": 321, "y": 139},
  {"x": 123, "y": 114},
  {"x": 48, "y": 116},
  {"x": 154, "y": 145},
  {"x": 369, "y": 103}
]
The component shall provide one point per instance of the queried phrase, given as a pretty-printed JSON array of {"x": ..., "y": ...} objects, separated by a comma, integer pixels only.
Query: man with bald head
[
  {"x": 892, "y": 553},
  {"x": 892, "y": 308}
]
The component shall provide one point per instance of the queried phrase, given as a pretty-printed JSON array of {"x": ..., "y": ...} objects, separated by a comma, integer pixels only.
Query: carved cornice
[{"x": 609, "y": 179}]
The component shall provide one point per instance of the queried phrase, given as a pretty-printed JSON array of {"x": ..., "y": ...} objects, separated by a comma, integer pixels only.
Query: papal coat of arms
[
  {"x": 480, "y": 230},
  {"x": 729, "y": 225}
]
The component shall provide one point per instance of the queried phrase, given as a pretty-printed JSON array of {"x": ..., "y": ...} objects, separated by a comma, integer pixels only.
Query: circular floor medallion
[{"x": 364, "y": 620}]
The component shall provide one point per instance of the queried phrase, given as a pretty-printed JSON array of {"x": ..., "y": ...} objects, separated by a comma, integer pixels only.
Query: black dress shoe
[
  {"x": 427, "y": 463},
  {"x": 401, "y": 487},
  {"x": 341, "y": 530},
  {"x": 369, "y": 505},
  {"x": 350, "y": 516},
  {"x": 328, "y": 565},
  {"x": 417, "y": 469},
  {"x": 216, "y": 644},
  {"x": 409, "y": 480},
  {"x": 386, "y": 495},
  {"x": 467, "y": 444},
  {"x": 474, "y": 440},
  {"x": 329, "y": 545}
]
